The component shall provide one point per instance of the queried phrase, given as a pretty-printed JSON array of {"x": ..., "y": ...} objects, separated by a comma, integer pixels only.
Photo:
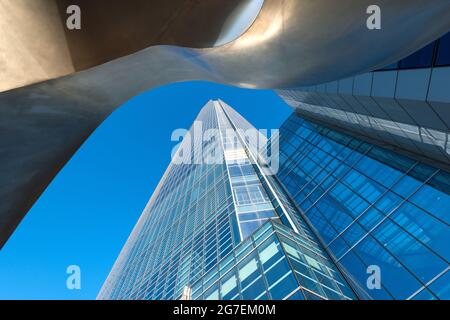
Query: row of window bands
[
  {"x": 219, "y": 221},
  {"x": 436, "y": 54},
  {"x": 172, "y": 214},
  {"x": 261, "y": 267}
]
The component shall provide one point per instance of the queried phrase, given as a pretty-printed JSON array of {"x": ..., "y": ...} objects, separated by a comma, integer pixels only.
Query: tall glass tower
[{"x": 220, "y": 226}]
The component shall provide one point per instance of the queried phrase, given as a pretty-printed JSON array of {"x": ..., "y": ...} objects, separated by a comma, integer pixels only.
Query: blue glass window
[
  {"x": 406, "y": 186},
  {"x": 252, "y": 284},
  {"x": 424, "y": 227},
  {"x": 256, "y": 215},
  {"x": 297, "y": 296},
  {"x": 395, "y": 278},
  {"x": 412, "y": 254},
  {"x": 443, "y": 52},
  {"x": 378, "y": 171},
  {"x": 420, "y": 59},
  {"x": 278, "y": 274},
  {"x": 335, "y": 213},
  {"x": 229, "y": 288},
  {"x": 441, "y": 287},
  {"x": 358, "y": 271},
  {"x": 392, "y": 66},
  {"x": 242, "y": 196},
  {"x": 424, "y": 295},
  {"x": 249, "y": 227},
  {"x": 370, "y": 218},
  {"x": 382, "y": 183},
  {"x": 388, "y": 202},
  {"x": 327, "y": 230},
  {"x": 353, "y": 234},
  {"x": 212, "y": 293},
  {"x": 434, "y": 201}
]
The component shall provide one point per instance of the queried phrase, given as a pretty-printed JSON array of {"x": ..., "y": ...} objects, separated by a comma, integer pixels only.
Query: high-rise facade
[
  {"x": 366, "y": 158},
  {"x": 342, "y": 218},
  {"x": 372, "y": 208},
  {"x": 220, "y": 226}
]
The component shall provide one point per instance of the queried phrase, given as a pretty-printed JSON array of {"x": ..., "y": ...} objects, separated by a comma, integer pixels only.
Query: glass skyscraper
[
  {"x": 335, "y": 212},
  {"x": 223, "y": 229}
]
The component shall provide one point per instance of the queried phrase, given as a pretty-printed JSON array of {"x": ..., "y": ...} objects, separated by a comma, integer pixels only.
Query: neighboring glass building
[
  {"x": 405, "y": 105},
  {"x": 371, "y": 207},
  {"x": 384, "y": 201},
  {"x": 223, "y": 229}
]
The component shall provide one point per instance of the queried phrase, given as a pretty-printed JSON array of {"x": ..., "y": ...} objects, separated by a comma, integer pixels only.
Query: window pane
[
  {"x": 443, "y": 54},
  {"x": 283, "y": 286},
  {"x": 248, "y": 271},
  {"x": 392, "y": 66},
  {"x": 411, "y": 253},
  {"x": 420, "y": 59},
  {"x": 229, "y": 287},
  {"x": 248, "y": 228},
  {"x": 256, "y": 194},
  {"x": 395, "y": 277},
  {"x": 256, "y": 290},
  {"x": 441, "y": 287},
  {"x": 297, "y": 296},
  {"x": 256, "y": 215},
  {"x": 434, "y": 201},
  {"x": 269, "y": 250},
  {"x": 406, "y": 186},
  {"x": 424, "y": 227},
  {"x": 242, "y": 196},
  {"x": 212, "y": 293},
  {"x": 424, "y": 295}
]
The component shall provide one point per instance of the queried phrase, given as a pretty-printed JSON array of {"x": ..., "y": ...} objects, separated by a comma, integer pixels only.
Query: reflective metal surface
[{"x": 291, "y": 43}]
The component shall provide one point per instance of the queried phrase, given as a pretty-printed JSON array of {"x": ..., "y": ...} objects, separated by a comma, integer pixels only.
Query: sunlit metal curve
[{"x": 291, "y": 43}]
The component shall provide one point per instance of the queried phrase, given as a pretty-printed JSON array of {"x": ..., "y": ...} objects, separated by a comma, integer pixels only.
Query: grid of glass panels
[
  {"x": 371, "y": 207},
  {"x": 190, "y": 230},
  {"x": 252, "y": 203},
  {"x": 187, "y": 227},
  {"x": 283, "y": 207},
  {"x": 274, "y": 263}
]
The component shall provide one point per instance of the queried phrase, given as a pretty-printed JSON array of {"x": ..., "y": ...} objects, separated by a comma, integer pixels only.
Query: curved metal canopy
[{"x": 291, "y": 43}]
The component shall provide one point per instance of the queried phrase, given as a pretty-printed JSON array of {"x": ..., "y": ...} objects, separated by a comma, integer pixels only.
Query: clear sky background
[{"x": 87, "y": 213}]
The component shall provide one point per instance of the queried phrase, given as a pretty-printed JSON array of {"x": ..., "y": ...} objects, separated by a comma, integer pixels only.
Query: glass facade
[
  {"x": 274, "y": 263},
  {"x": 371, "y": 207},
  {"x": 224, "y": 230},
  {"x": 186, "y": 228},
  {"x": 403, "y": 106},
  {"x": 252, "y": 203},
  {"x": 436, "y": 54}
]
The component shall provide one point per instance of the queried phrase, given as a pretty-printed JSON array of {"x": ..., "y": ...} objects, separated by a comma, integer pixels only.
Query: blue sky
[{"x": 87, "y": 213}]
